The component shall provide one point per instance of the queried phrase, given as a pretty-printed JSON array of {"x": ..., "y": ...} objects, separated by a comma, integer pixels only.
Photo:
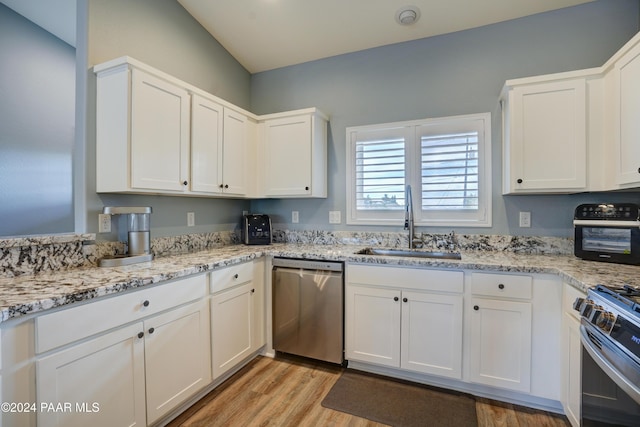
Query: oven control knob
[
  {"x": 586, "y": 307},
  {"x": 578, "y": 303},
  {"x": 595, "y": 314},
  {"x": 606, "y": 321}
]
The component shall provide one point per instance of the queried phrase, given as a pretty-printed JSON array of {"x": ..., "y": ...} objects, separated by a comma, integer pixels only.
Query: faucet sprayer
[{"x": 408, "y": 215}]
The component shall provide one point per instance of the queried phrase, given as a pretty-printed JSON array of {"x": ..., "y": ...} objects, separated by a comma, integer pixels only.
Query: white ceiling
[{"x": 268, "y": 34}]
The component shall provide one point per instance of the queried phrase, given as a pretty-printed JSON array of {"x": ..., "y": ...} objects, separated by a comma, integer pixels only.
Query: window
[{"x": 446, "y": 163}]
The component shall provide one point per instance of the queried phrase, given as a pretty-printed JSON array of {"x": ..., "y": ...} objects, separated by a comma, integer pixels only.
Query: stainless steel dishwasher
[{"x": 308, "y": 308}]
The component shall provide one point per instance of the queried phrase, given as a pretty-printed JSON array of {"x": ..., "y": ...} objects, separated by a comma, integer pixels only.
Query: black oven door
[
  {"x": 607, "y": 243},
  {"x": 610, "y": 383}
]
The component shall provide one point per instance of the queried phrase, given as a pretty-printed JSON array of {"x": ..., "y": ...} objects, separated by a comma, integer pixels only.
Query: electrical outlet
[
  {"x": 334, "y": 217},
  {"x": 104, "y": 223},
  {"x": 191, "y": 219},
  {"x": 295, "y": 217},
  {"x": 525, "y": 219}
]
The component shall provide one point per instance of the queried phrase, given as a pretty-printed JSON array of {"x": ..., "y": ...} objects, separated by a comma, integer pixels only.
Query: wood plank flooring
[{"x": 288, "y": 392}]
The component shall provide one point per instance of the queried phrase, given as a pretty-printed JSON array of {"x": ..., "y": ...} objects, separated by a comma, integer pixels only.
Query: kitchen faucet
[{"x": 408, "y": 215}]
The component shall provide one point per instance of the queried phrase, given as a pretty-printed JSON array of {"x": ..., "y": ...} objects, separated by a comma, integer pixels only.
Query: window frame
[{"x": 482, "y": 217}]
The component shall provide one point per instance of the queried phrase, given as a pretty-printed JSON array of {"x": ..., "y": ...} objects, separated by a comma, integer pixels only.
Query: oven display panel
[
  {"x": 627, "y": 334},
  {"x": 606, "y": 239}
]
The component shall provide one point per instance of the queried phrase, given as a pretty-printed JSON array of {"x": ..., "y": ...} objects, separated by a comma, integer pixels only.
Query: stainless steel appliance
[
  {"x": 608, "y": 232},
  {"x": 256, "y": 229},
  {"x": 308, "y": 308},
  {"x": 138, "y": 236},
  {"x": 610, "y": 336}
]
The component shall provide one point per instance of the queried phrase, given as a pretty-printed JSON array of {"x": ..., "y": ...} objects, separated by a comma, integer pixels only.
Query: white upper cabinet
[
  {"x": 157, "y": 134},
  {"x": 626, "y": 126},
  {"x": 545, "y": 143},
  {"x": 294, "y": 148},
  {"x": 219, "y": 143}
]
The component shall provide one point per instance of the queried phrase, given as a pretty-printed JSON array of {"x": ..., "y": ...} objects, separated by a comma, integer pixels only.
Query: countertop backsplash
[{"x": 38, "y": 254}]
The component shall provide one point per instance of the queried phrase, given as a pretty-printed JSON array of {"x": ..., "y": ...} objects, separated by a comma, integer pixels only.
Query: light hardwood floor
[{"x": 288, "y": 392}]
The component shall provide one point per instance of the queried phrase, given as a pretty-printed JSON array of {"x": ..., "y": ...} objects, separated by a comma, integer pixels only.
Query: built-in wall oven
[
  {"x": 610, "y": 336},
  {"x": 608, "y": 232}
]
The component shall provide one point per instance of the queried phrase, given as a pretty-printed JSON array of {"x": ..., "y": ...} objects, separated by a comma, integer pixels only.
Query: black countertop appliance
[{"x": 256, "y": 229}]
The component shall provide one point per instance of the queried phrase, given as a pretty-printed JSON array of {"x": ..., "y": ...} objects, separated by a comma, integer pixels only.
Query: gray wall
[
  {"x": 458, "y": 73},
  {"x": 162, "y": 34},
  {"x": 37, "y": 120}
]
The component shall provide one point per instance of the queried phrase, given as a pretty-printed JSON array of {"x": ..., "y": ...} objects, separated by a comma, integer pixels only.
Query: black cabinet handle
[
  {"x": 235, "y": 276},
  {"x": 638, "y": 170},
  {"x": 404, "y": 300},
  {"x": 306, "y": 188},
  {"x": 476, "y": 308},
  {"x": 221, "y": 186},
  {"x": 140, "y": 334},
  {"x": 396, "y": 298},
  {"x": 146, "y": 303},
  {"x": 253, "y": 291},
  {"x": 151, "y": 330},
  {"x": 185, "y": 182},
  {"x": 226, "y": 186},
  {"x": 519, "y": 181},
  {"x": 501, "y": 286}
]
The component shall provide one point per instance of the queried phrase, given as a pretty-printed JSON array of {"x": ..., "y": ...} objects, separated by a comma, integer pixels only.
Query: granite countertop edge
[{"x": 31, "y": 294}]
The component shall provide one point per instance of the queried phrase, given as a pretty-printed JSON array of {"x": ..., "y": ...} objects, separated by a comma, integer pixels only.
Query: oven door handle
[{"x": 607, "y": 367}]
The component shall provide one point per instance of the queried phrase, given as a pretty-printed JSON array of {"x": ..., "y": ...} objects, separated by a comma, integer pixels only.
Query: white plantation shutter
[
  {"x": 380, "y": 174},
  {"x": 449, "y": 171},
  {"x": 446, "y": 161}
]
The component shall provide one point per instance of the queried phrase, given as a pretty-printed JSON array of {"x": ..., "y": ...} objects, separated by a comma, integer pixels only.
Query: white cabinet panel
[
  {"x": 432, "y": 333},
  {"x": 207, "y": 119},
  {"x": 108, "y": 371},
  {"x": 500, "y": 344},
  {"x": 372, "y": 318},
  {"x": 545, "y": 144},
  {"x": 177, "y": 357}
]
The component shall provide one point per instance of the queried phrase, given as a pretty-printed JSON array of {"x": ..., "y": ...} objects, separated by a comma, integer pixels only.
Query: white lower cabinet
[
  {"x": 131, "y": 375},
  {"x": 237, "y": 312},
  {"x": 500, "y": 344},
  {"x": 107, "y": 371},
  {"x": 501, "y": 325},
  {"x": 411, "y": 326},
  {"x": 571, "y": 356}
]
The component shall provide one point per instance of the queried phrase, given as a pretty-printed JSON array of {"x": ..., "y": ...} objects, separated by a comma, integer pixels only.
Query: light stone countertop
[{"x": 28, "y": 294}]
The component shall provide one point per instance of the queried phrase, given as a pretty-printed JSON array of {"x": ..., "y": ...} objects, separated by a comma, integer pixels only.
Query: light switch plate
[
  {"x": 295, "y": 217},
  {"x": 191, "y": 219},
  {"x": 525, "y": 219},
  {"x": 334, "y": 217}
]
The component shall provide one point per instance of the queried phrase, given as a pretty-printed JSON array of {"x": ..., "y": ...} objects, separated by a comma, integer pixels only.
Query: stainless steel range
[{"x": 610, "y": 336}]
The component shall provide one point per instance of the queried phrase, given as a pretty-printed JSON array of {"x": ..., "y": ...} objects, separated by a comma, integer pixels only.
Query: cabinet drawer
[
  {"x": 407, "y": 278},
  {"x": 229, "y": 277},
  {"x": 63, "y": 327},
  {"x": 501, "y": 285}
]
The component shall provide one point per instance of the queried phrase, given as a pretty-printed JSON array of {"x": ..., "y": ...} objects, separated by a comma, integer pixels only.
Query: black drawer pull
[
  {"x": 151, "y": 330},
  {"x": 501, "y": 286},
  {"x": 140, "y": 334},
  {"x": 146, "y": 303},
  {"x": 404, "y": 300},
  {"x": 396, "y": 298},
  {"x": 476, "y": 308}
]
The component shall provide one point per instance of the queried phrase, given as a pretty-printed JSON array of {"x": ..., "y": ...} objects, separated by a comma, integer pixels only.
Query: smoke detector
[{"x": 407, "y": 15}]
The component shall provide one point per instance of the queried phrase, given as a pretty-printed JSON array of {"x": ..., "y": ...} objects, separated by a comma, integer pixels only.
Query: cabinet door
[
  {"x": 500, "y": 343},
  {"x": 288, "y": 156},
  {"x": 231, "y": 327},
  {"x": 572, "y": 354},
  {"x": 206, "y": 145},
  {"x": 159, "y": 134},
  {"x": 107, "y": 371},
  {"x": 432, "y": 333},
  {"x": 259, "y": 324},
  {"x": 235, "y": 153},
  {"x": 547, "y": 144},
  {"x": 626, "y": 123},
  {"x": 372, "y": 317},
  {"x": 177, "y": 357}
]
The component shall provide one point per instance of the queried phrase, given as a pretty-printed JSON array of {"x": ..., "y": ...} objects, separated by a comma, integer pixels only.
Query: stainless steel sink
[{"x": 409, "y": 253}]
